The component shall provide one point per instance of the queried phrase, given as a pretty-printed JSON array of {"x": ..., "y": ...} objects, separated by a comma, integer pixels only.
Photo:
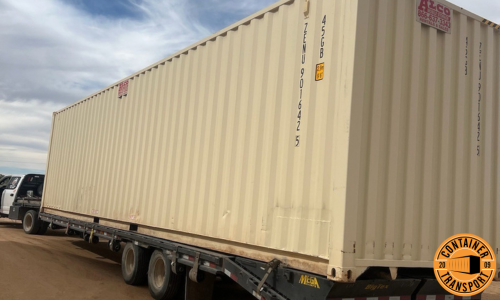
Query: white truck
[
  {"x": 317, "y": 150},
  {"x": 4, "y": 180},
  {"x": 21, "y": 199}
]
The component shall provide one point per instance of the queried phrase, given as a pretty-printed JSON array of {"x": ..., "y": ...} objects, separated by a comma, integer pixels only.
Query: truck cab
[
  {"x": 4, "y": 180},
  {"x": 21, "y": 189}
]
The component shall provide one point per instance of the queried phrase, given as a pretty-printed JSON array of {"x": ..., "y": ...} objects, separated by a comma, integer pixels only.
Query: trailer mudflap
[
  {"x": 431, "y": 289},
  {"x": 399, "y": 289}
]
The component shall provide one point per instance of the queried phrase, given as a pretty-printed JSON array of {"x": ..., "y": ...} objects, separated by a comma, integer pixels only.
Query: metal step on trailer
[{"x": 265, "y": 281}]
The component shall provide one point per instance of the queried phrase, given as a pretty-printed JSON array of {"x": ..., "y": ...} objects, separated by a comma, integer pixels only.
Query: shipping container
[
  {"x": 331, "y": 135},
  {"x": 466, "y": 264}
]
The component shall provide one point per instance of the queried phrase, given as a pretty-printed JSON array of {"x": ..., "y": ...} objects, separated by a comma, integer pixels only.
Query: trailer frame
[{"x": 265, "y": 281}]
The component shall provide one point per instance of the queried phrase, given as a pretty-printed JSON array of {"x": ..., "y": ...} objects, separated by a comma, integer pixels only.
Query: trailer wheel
[
  {"x": 31, "y": 225},
  {"x": 114, "y": 246},
  {"x": 134, "y": 264},
  {"x": 43, "y": 228},
  {"x": 162, "y": 282}
]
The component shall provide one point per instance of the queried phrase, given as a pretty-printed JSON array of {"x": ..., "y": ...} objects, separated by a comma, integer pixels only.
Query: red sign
[
  {"x": 434, "y": 14},
  {"x": 123, "y": 89}
]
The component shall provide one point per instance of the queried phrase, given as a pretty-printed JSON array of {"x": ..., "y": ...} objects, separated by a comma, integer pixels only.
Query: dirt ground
[{"x": 55, "y": 266}]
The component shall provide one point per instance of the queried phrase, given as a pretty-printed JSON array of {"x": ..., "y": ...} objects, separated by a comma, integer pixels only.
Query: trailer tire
[
  {"x": 134, "y": 264},
  {"x": 162, "y": 282},
  {"x": 43, "y": 228},
  {"x": 95, "y": 240},
  {"x": 31, "y": 225}
]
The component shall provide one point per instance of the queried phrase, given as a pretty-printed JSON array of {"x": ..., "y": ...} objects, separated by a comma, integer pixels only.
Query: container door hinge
[{"x": 271, "y": 266}]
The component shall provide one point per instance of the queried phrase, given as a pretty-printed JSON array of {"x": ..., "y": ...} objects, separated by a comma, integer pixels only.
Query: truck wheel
[
  {"x": 43, "y": 228},
  {"x": 162, "y": 282},
  {"x": 31, "y": 224},
  {"x": 134, "y": 264}
]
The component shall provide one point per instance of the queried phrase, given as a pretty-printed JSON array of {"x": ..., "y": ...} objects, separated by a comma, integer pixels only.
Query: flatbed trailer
[
  {"x": 330, "y": 137},
  {"x": 266, "y": 281}
]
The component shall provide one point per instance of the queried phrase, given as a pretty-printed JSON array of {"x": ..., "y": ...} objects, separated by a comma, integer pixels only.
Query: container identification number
[
  {"x": 322, "y": 44},
  {"x": 301, "y": 86},
  {"x": 466, "y": 52},
  {"x": 479, "y": 102}
]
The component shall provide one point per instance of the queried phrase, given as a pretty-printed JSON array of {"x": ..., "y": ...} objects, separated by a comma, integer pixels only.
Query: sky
[{"x": 55, "y": 52}]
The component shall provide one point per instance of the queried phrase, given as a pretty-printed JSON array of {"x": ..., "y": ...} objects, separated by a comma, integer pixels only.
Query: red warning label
[{"x": 434, "y": 14}]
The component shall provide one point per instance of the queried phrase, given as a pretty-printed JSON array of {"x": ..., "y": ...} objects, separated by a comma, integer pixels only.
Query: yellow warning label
[
  {"x": 320, "y": 71},
  {"x": 309, "y": 280}
]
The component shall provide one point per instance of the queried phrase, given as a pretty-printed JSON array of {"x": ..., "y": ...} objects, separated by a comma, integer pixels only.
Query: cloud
[
  {"x": 56, "y": 52},
  {"x": 62, "y": 54},
  {"x": 24, "y": 133},
  {"x": 489, "y": 9},
  {"x": 217, "y": 14}
]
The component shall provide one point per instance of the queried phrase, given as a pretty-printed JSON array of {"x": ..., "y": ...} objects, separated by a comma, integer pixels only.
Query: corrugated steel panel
[
  {"x": 423, "y": 152},
  {"x": 203, "y": 148},
  {"x": 205, "y": 141}
]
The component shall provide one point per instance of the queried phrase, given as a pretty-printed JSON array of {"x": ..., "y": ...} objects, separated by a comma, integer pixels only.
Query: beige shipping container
[{"x": 333, "y": 135}]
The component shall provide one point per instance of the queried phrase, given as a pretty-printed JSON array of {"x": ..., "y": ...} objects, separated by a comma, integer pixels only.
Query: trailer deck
[{"x": 265, "y": 281}]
